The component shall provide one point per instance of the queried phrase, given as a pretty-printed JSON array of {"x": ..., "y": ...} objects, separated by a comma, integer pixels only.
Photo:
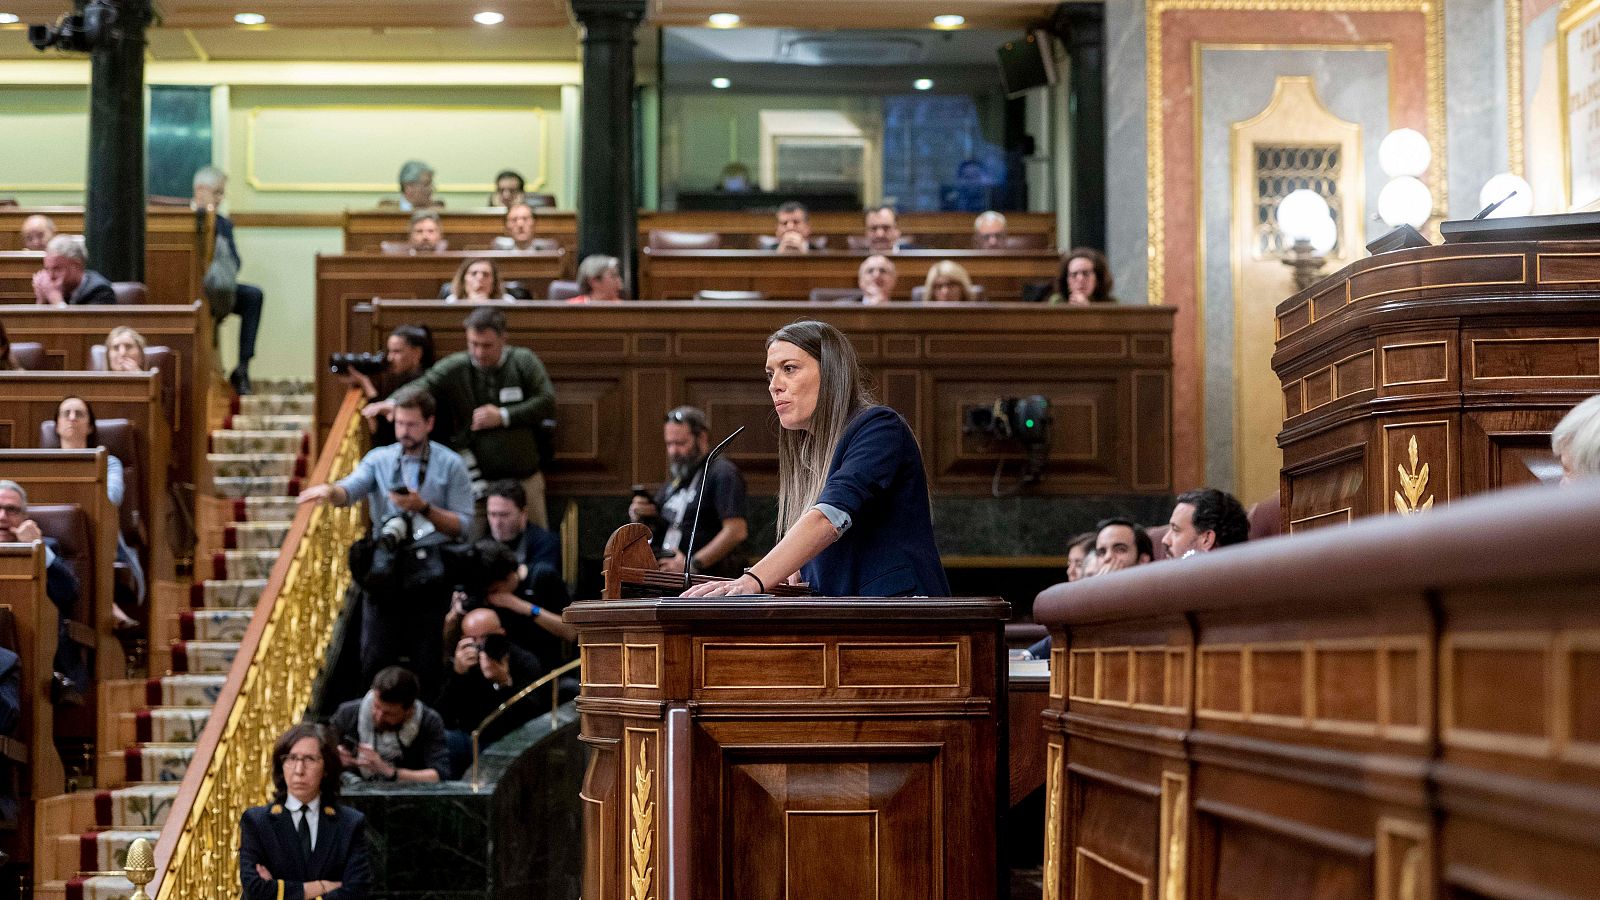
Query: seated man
[
  {"x": 1121, "y": 544},
  {"x": 1576, "y": 441},
  {"x": 793, "y": 233},
  {"x": 989, "y": 231},
  {"x": 883, "y": 231},
  {"x": 507, "y": 510},
  {"x": 1204, "y": 520},
  {"x": 66, "y": 279},
  {"x": 390, "y": 735},
  {"x": 37, "y": 231},
  {"x": 520, "y": 227},
  {"x": 10, "y": 692},
  {"x": 508, "y": 189},
  {"x": 427, "y": 232},
  {"x": 71, "y": 677},
  {"x": 210, "y": 187},
  {"x": 486, "y": 670},
  {"x": 876, "y": 278},
  {"x": 416, "y": 186},
  {"x": 720, "y": 502}
]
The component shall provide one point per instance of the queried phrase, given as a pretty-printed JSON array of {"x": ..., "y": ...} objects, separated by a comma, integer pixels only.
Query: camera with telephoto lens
[
  {"x": 396, "y": 531},
  {"x": 368, "y": 364}
]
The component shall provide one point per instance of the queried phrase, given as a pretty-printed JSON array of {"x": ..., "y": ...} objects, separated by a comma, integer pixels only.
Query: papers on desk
[{"x": 1030, "y": 668}]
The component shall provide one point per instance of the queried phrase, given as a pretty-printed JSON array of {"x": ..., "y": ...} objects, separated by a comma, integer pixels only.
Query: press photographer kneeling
[{"x": 420, "y": 498}]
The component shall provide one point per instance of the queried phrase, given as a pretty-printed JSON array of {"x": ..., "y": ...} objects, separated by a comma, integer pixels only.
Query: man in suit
[
  {"x": 61, "y": 586},
  {"x": 492, "y": 399},
  {"x": 210, "y": 187},
  {"x": 304, "y": 844},
  {"x": 66, "y": 279}
]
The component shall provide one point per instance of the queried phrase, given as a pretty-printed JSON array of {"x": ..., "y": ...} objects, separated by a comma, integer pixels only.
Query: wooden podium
[
  {"x": 1415, "y": 377},
  {"x": 801, "y": 748}
]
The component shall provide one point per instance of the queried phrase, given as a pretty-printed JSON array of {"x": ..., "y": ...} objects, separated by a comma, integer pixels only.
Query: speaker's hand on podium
[{"x": 744, "y": 584}]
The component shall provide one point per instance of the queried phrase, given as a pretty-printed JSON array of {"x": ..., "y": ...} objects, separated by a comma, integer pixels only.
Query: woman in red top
[{"x": 600, "y": 279}]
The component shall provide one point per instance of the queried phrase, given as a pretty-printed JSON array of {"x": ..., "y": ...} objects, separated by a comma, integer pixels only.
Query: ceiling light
[
  {"x": 923, "y": 84},
  {"x": 949, "y": 21},
  {"x": 721, "y": 84},
  {"x": 723, "y": 20},
  {"x": 250, "y": 19},
  {"x": 9, "y": 18},
  {"x": 489, "y": 18}
]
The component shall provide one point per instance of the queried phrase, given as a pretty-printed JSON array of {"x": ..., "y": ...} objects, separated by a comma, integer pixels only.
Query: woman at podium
[{"x": 853, "y": 513}]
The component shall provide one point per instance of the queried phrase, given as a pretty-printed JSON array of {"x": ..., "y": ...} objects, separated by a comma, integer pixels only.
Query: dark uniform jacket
[{"x": 267, "y": 836}]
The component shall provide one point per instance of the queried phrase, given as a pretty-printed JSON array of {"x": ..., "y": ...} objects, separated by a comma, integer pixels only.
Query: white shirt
[{"x": 294, "y": 806}]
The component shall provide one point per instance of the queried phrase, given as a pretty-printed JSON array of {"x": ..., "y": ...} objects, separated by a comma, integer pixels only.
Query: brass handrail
[
  {"x": 555, "y": 697},
  {"x": 269, "y": 686}
]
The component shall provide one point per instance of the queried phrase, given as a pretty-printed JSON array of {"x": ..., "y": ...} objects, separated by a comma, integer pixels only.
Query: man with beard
[{"x": 719, "y": 539}]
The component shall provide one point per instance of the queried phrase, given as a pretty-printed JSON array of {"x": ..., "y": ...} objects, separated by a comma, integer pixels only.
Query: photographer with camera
[
  {"x": 486, "y": 670},
  {"x": 670, "y": 513},
  {"x": 408, "y": 352},
  {"x": 419, "y": 498},
  {"x": 389, "y": 734}
]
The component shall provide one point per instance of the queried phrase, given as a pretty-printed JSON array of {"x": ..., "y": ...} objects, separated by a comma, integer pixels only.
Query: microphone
[
  {"x": 705, "y": 471},
  {"x": 1493, "y": 206}
]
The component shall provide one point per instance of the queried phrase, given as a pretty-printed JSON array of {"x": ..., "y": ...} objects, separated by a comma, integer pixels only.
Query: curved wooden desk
[{"x": 1469, "y": 353}]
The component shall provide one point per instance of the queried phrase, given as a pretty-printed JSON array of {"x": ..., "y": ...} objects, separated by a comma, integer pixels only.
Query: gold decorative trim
[
  {"x": 1414, "y": 483},
  {"x": 1516, "y": 150},
  {"x": 1527, "y": 340},
  {"x": 1086, "y": 855},
  {"x": 1343, "y": 511},
  {"x": 1174, "y": 835},
  {"x": 1402, "y": 860},
  {"x": 1540, "y": 746},
  {"x": 1155, "y": 168},
  {"x": 1538, "y": 268},
  {"x": 1449, "y": 460},
  {"x": 641, "y": 830},
  {"x": 1054, "y": 827},
  {"x": 256, "y": 183},
  {"x": 627, "y": 665},
  {"x": 1384, "y": 357},
  {"x": 1572, "y": 16}
]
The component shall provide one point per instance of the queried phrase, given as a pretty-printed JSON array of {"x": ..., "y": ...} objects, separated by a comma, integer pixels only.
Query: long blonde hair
[{"x": 804, "y": 456}]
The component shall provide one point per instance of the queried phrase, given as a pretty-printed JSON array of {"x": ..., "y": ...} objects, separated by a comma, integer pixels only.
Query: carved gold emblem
[
  {"x": 1414, "y": 484},
  {"x": 1052, "y": 828},
  {"x": 641, "y": 835},
  {"x": 1411, "y": 875}
]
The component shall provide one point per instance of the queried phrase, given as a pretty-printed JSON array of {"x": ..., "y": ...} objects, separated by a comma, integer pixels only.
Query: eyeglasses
[
  {"x": 12, "y": 509},
  {"x": 295, "y": 759},
  {"x": 695, "y": 422}
]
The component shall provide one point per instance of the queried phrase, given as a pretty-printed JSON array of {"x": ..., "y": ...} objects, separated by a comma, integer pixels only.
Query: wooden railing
[{"x": 269, "y": 686}]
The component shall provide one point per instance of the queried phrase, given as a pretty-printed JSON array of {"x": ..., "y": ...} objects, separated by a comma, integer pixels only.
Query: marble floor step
[
  {"x": 256, "y": 486},
  {"x": 255, "y": 535},
  {"x": 278, "y": 405},
  {"x": 256, "y": 465},
  {"x": 241, "y": 564},
  {"x": 214, "y": 624},
  {"x": 203, "y": 657},
  {"x": 227, "y": 593},
  {"x": 140, "y": 805},
  {"x": 240, "y": 422},
  {"x": 165, "y": 726},
  {"x": 265, "y": 509},
  {"x": 148, "y": 764},
  {"x": 182, "y": 690},
  {"x": 229, "y": 441},
  {"x": 98, "y": 887}
]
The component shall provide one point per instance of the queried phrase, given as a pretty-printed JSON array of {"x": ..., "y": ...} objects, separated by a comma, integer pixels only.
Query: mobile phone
[
  {"x": 640, "y": 490},
  {"x": 400, "y": 489}
]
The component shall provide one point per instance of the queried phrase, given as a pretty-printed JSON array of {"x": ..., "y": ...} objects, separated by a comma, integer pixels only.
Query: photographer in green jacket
[{"x": 492, "y": 399}]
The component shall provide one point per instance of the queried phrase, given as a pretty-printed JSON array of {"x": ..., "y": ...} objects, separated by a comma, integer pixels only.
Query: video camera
[
  {"x": 76, "y": 32},
  {"x": 1025, "y": 420}
]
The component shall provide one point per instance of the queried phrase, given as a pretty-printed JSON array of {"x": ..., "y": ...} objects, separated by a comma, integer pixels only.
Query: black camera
[
  {"x": 1026, "y": 419},
  {"x": 76, "y": 32},
  {"x": 368, "y": 364},
  {"x": 495, "y": 646}
]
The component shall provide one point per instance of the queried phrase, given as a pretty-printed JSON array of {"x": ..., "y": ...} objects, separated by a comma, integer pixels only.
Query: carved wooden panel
[
  {"x": 1111, "y": 855},
  {"x": 1248, "y": 861},
  {"x": 1331, "y": 492}
]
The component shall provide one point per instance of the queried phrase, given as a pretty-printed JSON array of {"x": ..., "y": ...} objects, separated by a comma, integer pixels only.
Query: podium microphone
[{"x": 705, "y": 472}]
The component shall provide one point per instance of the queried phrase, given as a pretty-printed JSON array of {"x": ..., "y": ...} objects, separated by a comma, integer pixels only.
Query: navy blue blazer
[
  {"x": 876, "y": 477},
  {"x": 267, "y": 836}
]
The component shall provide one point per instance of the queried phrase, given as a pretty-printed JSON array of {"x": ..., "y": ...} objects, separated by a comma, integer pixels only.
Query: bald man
[
  {"x": 486, "y": 671},
  {"x": 37, "y": 231}
]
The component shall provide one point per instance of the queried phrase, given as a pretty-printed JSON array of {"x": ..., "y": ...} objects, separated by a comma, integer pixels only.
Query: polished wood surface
[
  {"x": 367, "y": 229},
  {"x": 1474, "y": 352},
  {"x": 77, "y": 478},
  {"x": 679, "y": 274},
  {"x": 619, "y": 367},
  {"x": 1404, "y": 708},
  {"x": 69, "y": 335},
  {"x": 1026, "y": 702},
  {"x": 177, "y": 250},
  {"x": 22, "y": 593},
  {"x": 348, "y": 279},
  {"x": 630, "y": 569},
  {"x": 770, "y": 748}
]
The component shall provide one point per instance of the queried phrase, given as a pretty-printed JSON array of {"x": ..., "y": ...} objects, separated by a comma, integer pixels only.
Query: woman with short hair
[
  {"x": 599, "y": 280},
  {"x": 125, "y": 350},
  {"x": 947, "y": 282}
]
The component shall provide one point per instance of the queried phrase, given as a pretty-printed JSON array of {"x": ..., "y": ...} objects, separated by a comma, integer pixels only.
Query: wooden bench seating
[
  {"x": 679, "y": 274},
  {"x": 178, "y": 244},
  {"x": 28, "y": 628}
]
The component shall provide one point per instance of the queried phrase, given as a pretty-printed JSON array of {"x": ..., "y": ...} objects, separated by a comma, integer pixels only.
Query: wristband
[
  {"x": 534, "y": 609},
  {"x": 759, "y": 583},
  {"x": 426, "y": 510}
]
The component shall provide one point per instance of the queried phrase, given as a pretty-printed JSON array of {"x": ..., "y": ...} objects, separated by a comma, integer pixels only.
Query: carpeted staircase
[{"x": 258, "y": 458}]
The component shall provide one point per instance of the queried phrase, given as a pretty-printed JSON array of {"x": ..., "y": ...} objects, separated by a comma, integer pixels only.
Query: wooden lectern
[{"x": 792, "y": 747}]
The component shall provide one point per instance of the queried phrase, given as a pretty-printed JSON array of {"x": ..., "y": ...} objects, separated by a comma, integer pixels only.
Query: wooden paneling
[
  {"x": 1476, "y": 351},
  {"x": 794, "y": 749},
  {"x": 1395, "y": 710},
  {"x": 176, "y": 252},
  {"x": 22, "y": 592},
  {"x": 349, "y": 279},
  {"x": 679, "y": 274},
  {"x": 617, "y": 369}
]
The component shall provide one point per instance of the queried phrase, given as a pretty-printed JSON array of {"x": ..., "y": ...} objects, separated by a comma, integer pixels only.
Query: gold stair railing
[
  {"x": 269, "y": 686},
  {"x": 552, "y": 681}
]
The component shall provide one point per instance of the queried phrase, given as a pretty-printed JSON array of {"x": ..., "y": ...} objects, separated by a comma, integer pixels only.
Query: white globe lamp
[
  {"x": 1299, "y": 213},
  {"x": 1499, "y": 188},
  {"x": 1404, "y": 152},
  {"x": 1324, "y": 235},
  {"x": 1405, "y": 201}
]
